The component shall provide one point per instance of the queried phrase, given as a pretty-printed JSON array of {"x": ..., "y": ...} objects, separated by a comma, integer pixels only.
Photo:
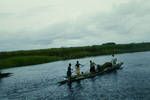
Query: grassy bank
[{"x": 31, "y": 57}]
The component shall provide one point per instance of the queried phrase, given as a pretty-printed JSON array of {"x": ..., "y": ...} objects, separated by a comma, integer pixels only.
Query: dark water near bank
[{"x": 39, "y": 82}]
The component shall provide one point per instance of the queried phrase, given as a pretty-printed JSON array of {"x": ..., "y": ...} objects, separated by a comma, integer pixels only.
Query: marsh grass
[
  {"x": 26, "y": 60},
  {"x": 32, "y": 57}
]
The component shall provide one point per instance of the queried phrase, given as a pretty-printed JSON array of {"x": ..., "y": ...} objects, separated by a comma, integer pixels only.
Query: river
[{"x": 39, "y": 82}]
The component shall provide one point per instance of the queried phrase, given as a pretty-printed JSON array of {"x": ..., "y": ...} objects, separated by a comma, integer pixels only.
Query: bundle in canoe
[{"x": 90, "y": 75}]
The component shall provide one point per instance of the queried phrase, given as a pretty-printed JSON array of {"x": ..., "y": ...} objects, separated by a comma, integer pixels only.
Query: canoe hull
[{"x": 3, "y": 75}]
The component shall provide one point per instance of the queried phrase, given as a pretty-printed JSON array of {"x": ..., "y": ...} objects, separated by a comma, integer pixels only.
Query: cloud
[{"x": 50, "y": 23}]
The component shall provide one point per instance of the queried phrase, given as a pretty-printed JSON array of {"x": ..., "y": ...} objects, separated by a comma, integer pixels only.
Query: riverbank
[{"x": 32, "y": 57}]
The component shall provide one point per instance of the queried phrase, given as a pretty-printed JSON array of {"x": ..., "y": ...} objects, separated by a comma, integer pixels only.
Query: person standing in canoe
[
  {"x": 69, "y": 71},
  {"x": 92, "y": 67},
  {"x": 114, "y": 60},
  {"x": 78, "y": 68}
]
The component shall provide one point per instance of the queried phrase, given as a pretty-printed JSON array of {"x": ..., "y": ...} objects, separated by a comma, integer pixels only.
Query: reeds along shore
[{"x": 32, "y": 57}]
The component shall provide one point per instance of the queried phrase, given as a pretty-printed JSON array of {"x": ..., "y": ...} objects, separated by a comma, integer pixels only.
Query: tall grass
[
  {"x": 26, "y": 60},
  {"x": 31, "y": 57}
]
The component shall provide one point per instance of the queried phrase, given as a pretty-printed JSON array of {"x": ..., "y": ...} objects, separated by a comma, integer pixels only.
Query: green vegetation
[
  {"x": 26, "y": 60},
  {"x": 31, "y": 57}
]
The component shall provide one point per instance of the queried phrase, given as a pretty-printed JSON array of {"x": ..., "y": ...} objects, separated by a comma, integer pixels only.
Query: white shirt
[{"x": 114, "y": 61}]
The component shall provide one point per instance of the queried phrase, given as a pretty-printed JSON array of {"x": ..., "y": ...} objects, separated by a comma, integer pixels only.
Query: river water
[{"x": 39, "y": 82}]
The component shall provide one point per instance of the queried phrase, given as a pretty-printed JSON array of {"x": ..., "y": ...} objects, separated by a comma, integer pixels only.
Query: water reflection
[
  {"x": 78, "y": 86},
  {"x": 70, "y": 86}
]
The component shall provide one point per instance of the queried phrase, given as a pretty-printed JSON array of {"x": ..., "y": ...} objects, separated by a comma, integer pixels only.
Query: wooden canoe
[{"x": 75, "y": 78}]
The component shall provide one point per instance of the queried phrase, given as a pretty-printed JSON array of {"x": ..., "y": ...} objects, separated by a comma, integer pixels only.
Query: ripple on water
[{"x": 39, "y": 82}]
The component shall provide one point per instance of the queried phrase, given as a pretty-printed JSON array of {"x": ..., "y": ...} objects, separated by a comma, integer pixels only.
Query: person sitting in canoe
[
  {"x": 78, "y": 68},
  {"x": 114, "y": 60},
  {"x": 69, "y": 71},
  {"x": 99, "y": 68},
  {"x": 92, "y": 67}
]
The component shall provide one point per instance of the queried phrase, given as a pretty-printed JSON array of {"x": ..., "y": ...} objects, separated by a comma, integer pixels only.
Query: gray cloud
[{"x": 123, "y": 23}]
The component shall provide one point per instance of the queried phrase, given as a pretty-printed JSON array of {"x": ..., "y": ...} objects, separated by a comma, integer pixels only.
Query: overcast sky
[{"x": 33, "y": 24}]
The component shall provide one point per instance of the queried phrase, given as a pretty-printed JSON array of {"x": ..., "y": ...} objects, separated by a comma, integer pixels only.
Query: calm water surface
[{"x": 39, "y": 82}]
